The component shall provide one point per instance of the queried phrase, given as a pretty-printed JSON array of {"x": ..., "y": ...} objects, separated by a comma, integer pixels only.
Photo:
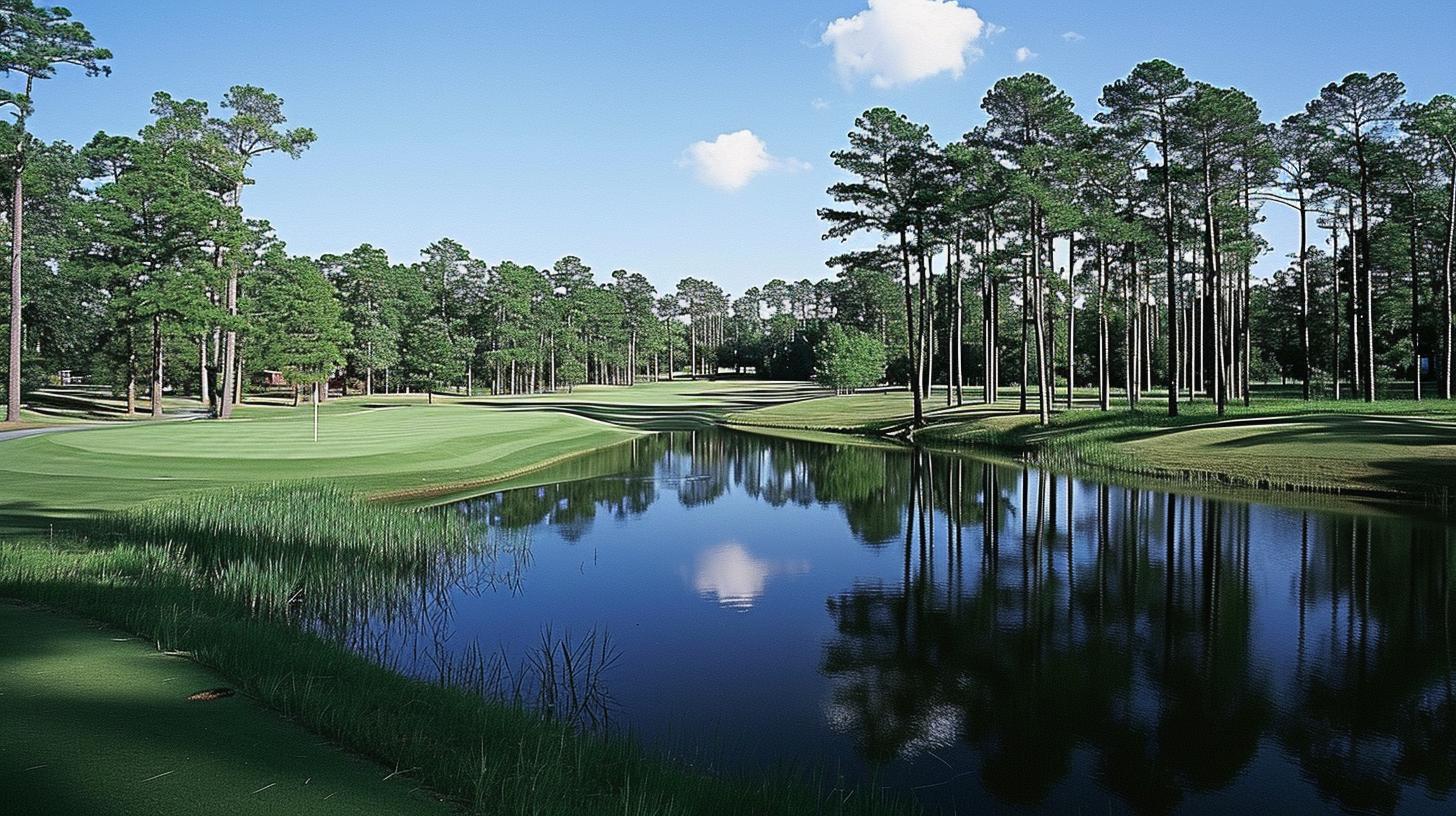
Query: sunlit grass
[{"x": 1397, "y": 448}]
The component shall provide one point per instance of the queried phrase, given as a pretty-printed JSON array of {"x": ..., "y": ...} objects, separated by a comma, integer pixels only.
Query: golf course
[
  {"x": 179, "y": 630},
  {"x": 674, "y": 409}
]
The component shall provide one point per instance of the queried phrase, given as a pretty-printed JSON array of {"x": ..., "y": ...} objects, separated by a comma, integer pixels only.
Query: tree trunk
[
  {"x": 17, "y": 233},
  {"x": 958, "y": 357},
  {"x": 1214, "y": 266},
  {"x": 948, "y": 312},
  {"x": 204, "y": 391},
  {"x": 1415, "y": 313},
  {"x": 230, "y": 385},
  {"x": 1043, "y": 357},
  {"x": 1367, "y": 287},
  {"x": 1103, "y": 386},
  {"x": 156, "y": 367},
  {"x": 1071, "y": 318},
  {"x": 1025, "y": 318},
  {"x": 1170, "y": 248},
  {"x": 237, "y": 393},
  {"x": 1130, "y": 343},
  {"x": 1356, "y": 347},
  {"x": 988, "y": 337},
  {"x": 923, "y": 336},
  {"x": 1335, "y": 310},
  {"x": 1447, "y": 274},
  {"x": 910, "y": 337},
  {"x": 1244, "y": 287},
  {"x": 1304, "y": 292}
]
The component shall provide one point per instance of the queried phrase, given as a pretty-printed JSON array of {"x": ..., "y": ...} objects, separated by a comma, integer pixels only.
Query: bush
[{"x": 848, "y": 359}]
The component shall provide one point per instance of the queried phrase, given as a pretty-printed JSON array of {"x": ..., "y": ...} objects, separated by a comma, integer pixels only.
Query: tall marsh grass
[
  {"x": 260, "y": 583},
  {"x": 315, "y": 549}
]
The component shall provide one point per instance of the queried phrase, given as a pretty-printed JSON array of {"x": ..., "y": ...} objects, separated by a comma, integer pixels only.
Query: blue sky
[{"x": 533, "y": 130}]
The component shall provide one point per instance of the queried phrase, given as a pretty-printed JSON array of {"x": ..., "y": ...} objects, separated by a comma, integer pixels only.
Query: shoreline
[{"x": 1074, "y": 444}]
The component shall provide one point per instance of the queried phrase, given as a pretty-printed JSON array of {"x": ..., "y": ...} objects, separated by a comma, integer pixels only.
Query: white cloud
[
  {"x": 1072, "y": 36},
  {"x": 732, "y": 160},
  {"x": 895, "y": 42},
  {"x": 819, "y": 104},
  {"x": 1024, "y": 54}
]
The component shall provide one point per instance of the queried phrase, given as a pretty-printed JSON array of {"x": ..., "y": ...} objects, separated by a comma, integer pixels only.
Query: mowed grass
[
  {"x": 663, "y": 405},
  {"x": 402, "y": 450},
  {"x": 1398, "y": 448},
  {"x": 868, "y": 412},
  {"x": 98, "y": 722}
]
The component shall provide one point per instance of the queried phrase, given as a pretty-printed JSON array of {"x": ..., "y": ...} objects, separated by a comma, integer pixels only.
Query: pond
[{"x": 981, "y": 637}]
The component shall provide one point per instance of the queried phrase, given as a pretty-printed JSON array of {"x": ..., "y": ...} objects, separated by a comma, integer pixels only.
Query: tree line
[
  {"x": 1143, "y": 221},
  {"x": 1040, "y": 250}
]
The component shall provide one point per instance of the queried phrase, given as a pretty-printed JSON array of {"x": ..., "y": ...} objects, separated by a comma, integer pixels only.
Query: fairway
[
  {"x": 1401, "y": 449},
  {"x": 1348, "y": 452},
  {"x": 97, "y": 722},
  {"x": 877, "y": 411},
  {"x": 366, "y": 446}
]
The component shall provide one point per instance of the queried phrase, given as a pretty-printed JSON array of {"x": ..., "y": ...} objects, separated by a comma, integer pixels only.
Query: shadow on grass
[
  {"x": 1347, "y": 429},
  {"x": 1432, "y": 477},
  {"x": 103, "y": 727}
]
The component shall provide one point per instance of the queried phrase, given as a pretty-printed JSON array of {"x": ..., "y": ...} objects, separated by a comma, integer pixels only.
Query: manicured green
[
  {"x": 377, "y": 447},
  {"x": 661, "y": 405},
  {"x": 97, "y": 722}
]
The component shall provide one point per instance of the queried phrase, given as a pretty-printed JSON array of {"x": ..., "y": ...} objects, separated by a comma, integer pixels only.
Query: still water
[{"x": 985, "y": 638}]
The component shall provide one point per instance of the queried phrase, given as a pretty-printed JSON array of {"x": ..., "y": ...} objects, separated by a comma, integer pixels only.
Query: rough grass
[{"x": 172, "y": 579}]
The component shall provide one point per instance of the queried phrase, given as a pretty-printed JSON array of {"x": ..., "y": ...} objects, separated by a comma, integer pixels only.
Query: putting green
[
  {"x": 98, "y": 723},
  {"x": 402, "y": 448}
]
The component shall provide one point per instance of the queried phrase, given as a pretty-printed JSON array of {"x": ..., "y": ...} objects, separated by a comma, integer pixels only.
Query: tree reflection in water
[
  {"x": 1127, "y": 633},
  {"x": 1038, "y": 641}
]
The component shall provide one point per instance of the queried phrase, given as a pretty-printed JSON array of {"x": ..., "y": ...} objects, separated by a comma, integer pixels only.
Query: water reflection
[
  {"x": 730, "y": 575},
  {"x": 990, "y": 638}
]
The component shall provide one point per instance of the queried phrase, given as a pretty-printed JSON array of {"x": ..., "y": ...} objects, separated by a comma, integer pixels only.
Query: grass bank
[
  {"x": 1398, "y": 449},
  {"x": 239, "y": 596}
]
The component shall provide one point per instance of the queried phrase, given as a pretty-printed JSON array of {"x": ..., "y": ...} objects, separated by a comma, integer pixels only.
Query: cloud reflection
[{"x": 731, "y": 575}]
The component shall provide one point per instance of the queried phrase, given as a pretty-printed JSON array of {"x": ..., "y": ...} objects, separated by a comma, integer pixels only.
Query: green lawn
[
  {"x": 1394, "y": 448},
  {"x": 371, "y": 446},
  {"x": 870, "y": 412},
  {"x": 664, "y": 405},
  {"x": 98, "y": 722}
]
